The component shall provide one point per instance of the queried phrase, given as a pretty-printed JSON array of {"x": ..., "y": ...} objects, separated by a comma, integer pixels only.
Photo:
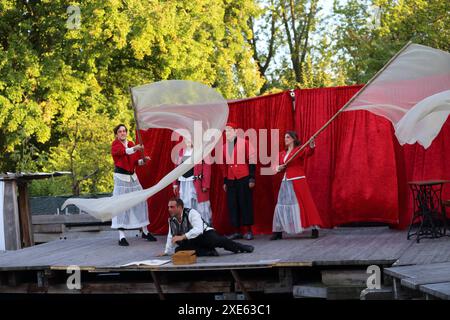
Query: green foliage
[
  {"x": 370, "y": 32},
  {"x": 62, "y": 90}
]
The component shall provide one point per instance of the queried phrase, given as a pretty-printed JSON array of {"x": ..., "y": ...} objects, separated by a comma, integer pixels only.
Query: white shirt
[
  {"x": 187, "y": 153},
  {"x": 198, "y": 225}
]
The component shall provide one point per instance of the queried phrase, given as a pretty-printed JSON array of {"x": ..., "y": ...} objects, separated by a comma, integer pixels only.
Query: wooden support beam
[
  {"x": 241, "y": 285},
  {"x": 122, "y": 288},
  {"x": 42, "y": 279},
  {"x": 157, "y": 286},
  {"x": 25, "y": 215},
  {"x": 11, "y": 220},
  {"x": 356, "y": 277}
]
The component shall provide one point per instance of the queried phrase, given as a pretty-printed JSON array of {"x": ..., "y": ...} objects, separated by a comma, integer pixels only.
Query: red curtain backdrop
[
  {"x": 353, "y": 170},
  {"x": 358, "y": 173}
]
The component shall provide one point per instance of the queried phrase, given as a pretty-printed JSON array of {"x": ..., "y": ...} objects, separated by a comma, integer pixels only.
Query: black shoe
[
  {"x": 203, "y": 252},
  {"x": 213, "y": 253},
  {"x": 276, "y": 236},
  {"x": 149, "y": 237},
  {"x": 235, "y": 236},
  {"x": 249, "y": 236},
  {"x": 123, "y": 242},
  {"x": 246, "y": 248},
  {"x": 314, "y": 233}
]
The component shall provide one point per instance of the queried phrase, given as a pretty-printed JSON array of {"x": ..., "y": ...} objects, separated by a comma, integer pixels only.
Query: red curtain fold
[
  {"x": 358, "y": 172},
  {"x": 353, "y": 167},
  {"x": 158, "y": 146}
]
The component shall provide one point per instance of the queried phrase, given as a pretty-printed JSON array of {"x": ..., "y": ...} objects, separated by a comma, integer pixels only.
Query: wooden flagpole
[
  {"x": 138, "y": 130},
  {"x": 348, "y": 103}
]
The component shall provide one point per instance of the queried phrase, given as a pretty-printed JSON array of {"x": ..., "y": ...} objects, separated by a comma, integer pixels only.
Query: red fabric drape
[
  {"x": 353, "y": 168},
  {"x": 158, "y": 146},
  {"x": 358, "y": 173}
]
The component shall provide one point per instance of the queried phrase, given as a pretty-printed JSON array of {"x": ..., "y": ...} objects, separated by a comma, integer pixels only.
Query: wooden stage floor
[{"x": 335, "y": 248}]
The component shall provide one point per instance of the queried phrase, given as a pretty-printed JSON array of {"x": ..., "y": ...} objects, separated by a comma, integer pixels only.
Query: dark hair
[
  {"x": 116, "y": 128},
  {"x": 294, "y": 136},
  {"x": 179, "y": 202}
]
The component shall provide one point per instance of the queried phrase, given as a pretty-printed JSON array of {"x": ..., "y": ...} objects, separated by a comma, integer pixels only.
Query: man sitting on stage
[{"x": 188, "y": 231}]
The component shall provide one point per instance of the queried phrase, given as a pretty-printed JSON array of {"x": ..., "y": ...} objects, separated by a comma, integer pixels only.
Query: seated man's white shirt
[{"x": 198, "y": 226}]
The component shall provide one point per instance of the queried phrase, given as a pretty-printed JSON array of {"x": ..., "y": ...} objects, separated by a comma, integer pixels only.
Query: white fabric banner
[
  {"x": 195, "y": 109},
  {"x": 412, "y": 92}
]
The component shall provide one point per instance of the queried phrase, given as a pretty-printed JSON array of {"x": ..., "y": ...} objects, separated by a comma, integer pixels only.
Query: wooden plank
[
  {"x": 428, "y": 251},
  {"x": 25, "y": 214},
  {"x": 352, "y": 246},
  {"x": 11, "y": 217},
  {"x": 49, "y": 253},
  {"x": 48, "y": 228},
  {"x": 121, "y": 288},
  {"x": 360, "y": 246},
  {"x": 344, "y": 293},
  {"x": 267, "y": 286},
  {"x": 344, "y": 277},
  {"x": 417, "y": 270},
  {"x": 414, "y": 283},
  {"x": 64, "y": 219},
  {"x": 48, "y": 237},
  {"x": 89, "y": 228},
  {"x": 377, "y": 294},
  {"x": 439, "y": 290}
]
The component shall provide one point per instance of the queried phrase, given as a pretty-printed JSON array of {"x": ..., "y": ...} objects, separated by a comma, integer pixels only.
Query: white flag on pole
[{"x": 413, "y": 92}]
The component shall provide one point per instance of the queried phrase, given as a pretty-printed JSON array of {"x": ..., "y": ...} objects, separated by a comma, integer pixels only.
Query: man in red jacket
[
  {"x": 126, "y": 157},
  {"x": 239, "y": 180}
]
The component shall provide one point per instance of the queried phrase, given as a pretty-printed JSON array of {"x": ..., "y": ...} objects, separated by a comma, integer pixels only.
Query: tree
[
  {"x": 282, "y": 43},
  {"x": 59, "y": 86},
  {"x": 370, "y": 32}
]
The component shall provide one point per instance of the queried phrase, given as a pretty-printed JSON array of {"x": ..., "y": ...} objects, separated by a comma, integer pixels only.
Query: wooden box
[{"x": 184, "y": 257}]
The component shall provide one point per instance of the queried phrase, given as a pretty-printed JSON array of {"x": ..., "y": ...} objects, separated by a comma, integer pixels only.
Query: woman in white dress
[
  {"x": 126, "y": 158},
  {"x": 193, "y": 186},
  {"x": 295, "y": 211}
]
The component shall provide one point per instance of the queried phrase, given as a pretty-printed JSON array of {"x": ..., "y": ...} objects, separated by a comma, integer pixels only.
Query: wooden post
[
  {"x": 138, "y": 130},
  {"x": 25, "y": 214},
  {"x": 396, "y": 289},
  {"x": 157, "y": 286},
  {"x": 11, "y": 216},
  {"x": 237, "y": 278}
]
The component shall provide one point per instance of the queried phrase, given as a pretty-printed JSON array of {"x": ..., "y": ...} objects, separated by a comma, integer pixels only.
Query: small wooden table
[{"x": 428, "y": 209}]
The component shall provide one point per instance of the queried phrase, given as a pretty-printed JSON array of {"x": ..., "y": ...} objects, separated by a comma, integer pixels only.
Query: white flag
[
  {"x": 413, "y": 92},
  {"x": 177, "y": 105}
]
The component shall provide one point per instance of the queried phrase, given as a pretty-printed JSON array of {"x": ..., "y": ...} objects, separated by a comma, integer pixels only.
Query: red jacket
[
  {"x": 204, "y": 170},
  {"x": 121, "y": 159},
  {"x": 295, "y": 168},
  {"x": 231, "y": 169}
]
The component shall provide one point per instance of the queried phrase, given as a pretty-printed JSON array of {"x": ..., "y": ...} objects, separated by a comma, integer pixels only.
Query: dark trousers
[
  {"x": 240, "y": 202},
  {"x": 207, "y": 242}
]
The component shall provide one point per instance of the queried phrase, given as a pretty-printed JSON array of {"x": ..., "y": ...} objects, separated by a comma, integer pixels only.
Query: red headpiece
[{"x": 232, "y": 125}]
